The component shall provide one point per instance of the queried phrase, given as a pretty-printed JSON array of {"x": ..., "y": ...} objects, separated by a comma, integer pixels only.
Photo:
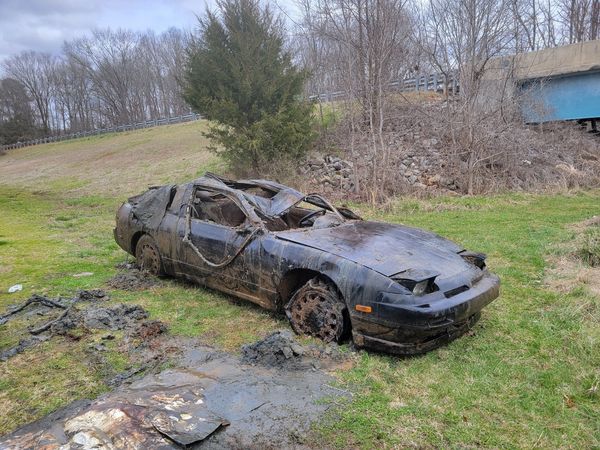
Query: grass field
[{"x": 527, "y": 376}]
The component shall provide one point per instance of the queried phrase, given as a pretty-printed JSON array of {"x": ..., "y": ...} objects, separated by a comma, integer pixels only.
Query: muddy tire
[
  {"x": 147, "y": 256},
  {"x": 317, "y": 309}
]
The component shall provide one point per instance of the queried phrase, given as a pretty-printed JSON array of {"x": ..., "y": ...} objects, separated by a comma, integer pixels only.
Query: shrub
[{"x": 239, "y": 75}]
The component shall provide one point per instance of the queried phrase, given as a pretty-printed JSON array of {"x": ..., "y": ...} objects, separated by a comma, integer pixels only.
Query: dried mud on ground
[
  {"x": 266, "y": 398},
  {"x": 131, "y": 278}
]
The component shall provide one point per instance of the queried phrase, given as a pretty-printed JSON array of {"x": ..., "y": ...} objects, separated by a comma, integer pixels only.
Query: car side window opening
[
  {"x": 217, "y": 208},
  {"x": 311, "y": 213},
  {"x": 175, "y": 207}
]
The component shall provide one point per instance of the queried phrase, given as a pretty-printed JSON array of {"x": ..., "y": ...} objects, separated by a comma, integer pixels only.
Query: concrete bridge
[{"x": 554, "y": 84}]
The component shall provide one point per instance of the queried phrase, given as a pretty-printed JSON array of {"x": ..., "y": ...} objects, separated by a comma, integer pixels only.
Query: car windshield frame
[{"x": 257, "y": 207}]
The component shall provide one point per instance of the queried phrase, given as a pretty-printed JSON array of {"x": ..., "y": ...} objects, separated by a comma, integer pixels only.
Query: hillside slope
[{"x": 120, "y": 163}]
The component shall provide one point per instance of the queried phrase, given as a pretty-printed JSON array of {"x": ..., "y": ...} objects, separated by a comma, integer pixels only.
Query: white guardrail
[
  {"x": 116, "y": 129},
  {"x": 431, "y": 82}
]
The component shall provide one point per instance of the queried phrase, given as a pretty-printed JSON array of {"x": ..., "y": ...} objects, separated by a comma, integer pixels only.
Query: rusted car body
[{"x": 392, "y": 288}]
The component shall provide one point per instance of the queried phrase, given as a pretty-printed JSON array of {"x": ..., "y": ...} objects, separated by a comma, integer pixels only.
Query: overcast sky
[{"x": 43, "y": 25}]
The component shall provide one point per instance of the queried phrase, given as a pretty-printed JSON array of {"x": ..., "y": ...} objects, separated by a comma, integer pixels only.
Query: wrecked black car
[{"x": 392, "y": 288}]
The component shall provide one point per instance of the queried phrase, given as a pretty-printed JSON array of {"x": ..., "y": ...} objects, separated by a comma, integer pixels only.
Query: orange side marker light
[{"x": 362, "y": 308}]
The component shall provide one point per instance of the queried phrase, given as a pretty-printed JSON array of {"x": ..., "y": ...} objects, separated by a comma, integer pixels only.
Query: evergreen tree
[{"x": 240, "y": 76}]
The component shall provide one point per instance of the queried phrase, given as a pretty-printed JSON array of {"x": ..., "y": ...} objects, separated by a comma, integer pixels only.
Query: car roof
[{"x": 283, "y": 197}]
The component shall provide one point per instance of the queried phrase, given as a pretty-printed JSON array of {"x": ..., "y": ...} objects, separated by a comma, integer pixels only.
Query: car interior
[{"x": 219, "y": 208}]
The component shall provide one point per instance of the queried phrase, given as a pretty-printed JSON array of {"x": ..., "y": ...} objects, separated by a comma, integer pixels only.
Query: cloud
[
  {"x": 40, "y": 25},
  {"x": 44, "y": 25}
]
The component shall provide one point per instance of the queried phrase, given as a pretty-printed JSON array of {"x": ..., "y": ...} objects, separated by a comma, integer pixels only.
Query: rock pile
[
  {"x": 331, "y": 173},
  {"x": 419, "y": 160},
  {"x": 417, "y": 163}
]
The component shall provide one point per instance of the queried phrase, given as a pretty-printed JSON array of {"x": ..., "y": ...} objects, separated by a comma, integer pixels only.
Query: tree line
[{"x": 108, "y": 78}]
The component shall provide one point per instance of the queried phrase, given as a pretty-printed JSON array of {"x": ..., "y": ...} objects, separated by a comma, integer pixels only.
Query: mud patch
[
  {"x": 281, "y": 350},
  {"x": 209, "y": 400},
  {"x": 95, "y": 316},
  {"x": 130, "y": 278},
  {"x": 40, "y": 305}
]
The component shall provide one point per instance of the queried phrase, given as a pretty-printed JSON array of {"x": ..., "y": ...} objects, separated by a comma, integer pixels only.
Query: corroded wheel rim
[
  {"x": 316, "y": 310},
  {"x": 149, "y": 259}
]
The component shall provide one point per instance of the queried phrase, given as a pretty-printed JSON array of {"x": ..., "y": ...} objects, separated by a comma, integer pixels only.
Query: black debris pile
[
  {"x": 281, "y": 350},
  {"x": 39, "y": 305},
  {"x": 21, "y": 347},
  {"x": 278, "y": 350},
  {"x": 119, "y": 317},
  {"x": 132, "y": 318},
  {"x": 130, "y": 278},
  {"x": 90, "y": 295}
]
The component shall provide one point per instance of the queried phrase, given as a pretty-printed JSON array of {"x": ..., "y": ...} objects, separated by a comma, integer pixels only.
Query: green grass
[{"x": 527, "y": 376}]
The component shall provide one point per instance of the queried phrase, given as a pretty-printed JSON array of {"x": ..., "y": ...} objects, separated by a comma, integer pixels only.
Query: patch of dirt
[
  {"x": 149, "y": 329},
  {"x": 567, "y": 271},
  {"x": 208, "y": 400},
  {"x": 119, "y": 317},
  {"x": 130, "y": 278},
  {"x": 281, "y": 350}
]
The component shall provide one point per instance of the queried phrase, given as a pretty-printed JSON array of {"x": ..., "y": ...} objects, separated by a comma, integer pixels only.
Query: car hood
[{"x": 386, "y": 248}]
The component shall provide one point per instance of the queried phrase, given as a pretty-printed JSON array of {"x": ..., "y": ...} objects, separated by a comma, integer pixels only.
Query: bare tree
[
  {"x": 360, "y": 46},
  {"x": 463, "y": 36},
  {"x": 35, "y": 71},
  {"x": 108, "y": 78},
  {"x": 580, "y": 19}
]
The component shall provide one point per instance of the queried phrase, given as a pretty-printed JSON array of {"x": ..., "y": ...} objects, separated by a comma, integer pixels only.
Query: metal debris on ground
[
  {"x": 15, "y": 288},
  {"x": 160, "y": 411}
]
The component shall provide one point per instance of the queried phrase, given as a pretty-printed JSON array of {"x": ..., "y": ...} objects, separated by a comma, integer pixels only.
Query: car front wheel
[{"x": 317, "y": 309}]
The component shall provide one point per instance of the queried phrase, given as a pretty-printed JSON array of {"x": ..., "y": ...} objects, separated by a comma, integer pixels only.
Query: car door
[
  {"x": 220, "y": 249},
  {"x": 166, "y": 235}
]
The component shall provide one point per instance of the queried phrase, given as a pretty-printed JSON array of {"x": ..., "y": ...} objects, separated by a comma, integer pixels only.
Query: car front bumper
[{"x": 412, "y": 329}]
